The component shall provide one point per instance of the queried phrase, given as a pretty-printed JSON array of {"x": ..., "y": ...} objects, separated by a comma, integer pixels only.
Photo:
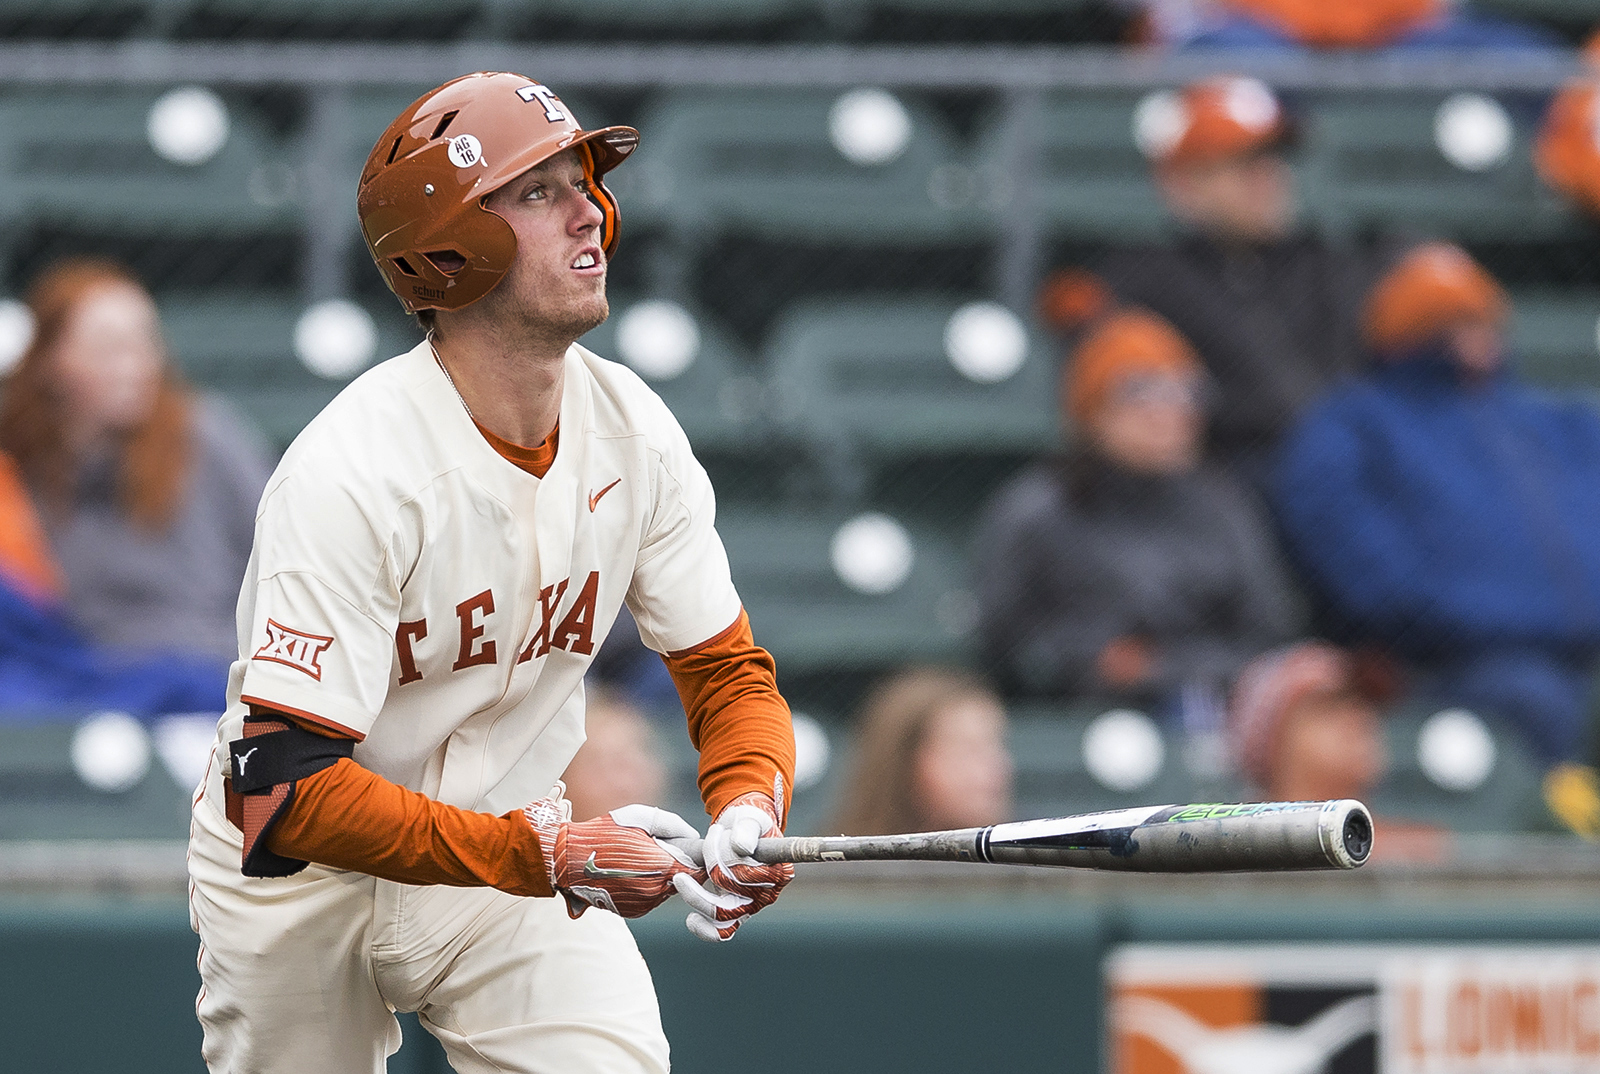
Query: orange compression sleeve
[
  {"x": 737, "y": 719},
  {"x": 348, "y": 817}
]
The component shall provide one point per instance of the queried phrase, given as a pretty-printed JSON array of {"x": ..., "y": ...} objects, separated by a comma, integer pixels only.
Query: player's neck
[{"x": 510, "y": 387}]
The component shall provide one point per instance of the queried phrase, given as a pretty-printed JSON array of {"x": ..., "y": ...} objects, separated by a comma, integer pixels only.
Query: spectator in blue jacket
[{"x": 1452, "y": 514}]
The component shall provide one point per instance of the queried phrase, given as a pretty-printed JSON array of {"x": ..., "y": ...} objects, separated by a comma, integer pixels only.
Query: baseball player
[{"x": 435, "y": 561}]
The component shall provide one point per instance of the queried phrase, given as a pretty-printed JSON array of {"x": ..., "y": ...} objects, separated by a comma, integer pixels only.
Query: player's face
[
  {"x": 108, "y": 362},
  {"x": 558, "y": 282},
  {"x": 963, "y": 770}
]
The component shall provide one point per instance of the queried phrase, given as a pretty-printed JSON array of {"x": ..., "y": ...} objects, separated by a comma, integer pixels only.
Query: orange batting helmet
[{"x": 424, "y": 184}]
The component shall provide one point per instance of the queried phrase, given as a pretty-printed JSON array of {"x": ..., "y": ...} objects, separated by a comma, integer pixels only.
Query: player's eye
[{"x": 536, "y": 192}]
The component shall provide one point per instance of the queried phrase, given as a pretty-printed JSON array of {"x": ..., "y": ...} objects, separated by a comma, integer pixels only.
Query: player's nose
[{"x": 585, "y": 216}]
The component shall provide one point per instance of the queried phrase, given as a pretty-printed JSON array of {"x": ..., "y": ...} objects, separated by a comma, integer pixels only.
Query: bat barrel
[{"x": 1258, "y": 836}]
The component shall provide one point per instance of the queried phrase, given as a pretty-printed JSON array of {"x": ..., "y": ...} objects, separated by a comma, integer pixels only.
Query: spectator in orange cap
[
  {"x": 1568, "y": 150},
  {"x": 1449, "y": 514},
  {"x": 1306, "y": 725},
  {"x": 1362, "y": 24},
  {"x": 1271, "y": 309},
  {"x": 1127, "y": 567}
]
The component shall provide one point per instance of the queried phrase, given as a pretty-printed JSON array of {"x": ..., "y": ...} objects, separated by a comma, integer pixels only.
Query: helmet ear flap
[{"x": 603, "y": 200}]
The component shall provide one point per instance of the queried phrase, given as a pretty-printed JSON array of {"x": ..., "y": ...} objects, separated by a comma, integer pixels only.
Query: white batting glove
[{"x": 736, "y": 885}]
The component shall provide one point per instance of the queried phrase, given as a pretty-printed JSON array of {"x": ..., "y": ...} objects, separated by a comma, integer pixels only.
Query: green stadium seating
[
  {"x": 812, "y": 621},
  {"x": 42, "y": 796},
  {"x": 762, "y": 163},
  {"x": 717, "y": 399},
  {"x": 1509, "y": 800},
  {"x": 80, "y": 158},
  {"x": 872, "y": 376},
  {"x": 243, "y": 347},
  {"x": 1052, "y": 779},
  {"x": 1088, "y": 178},
  {"x": 1372, "y": 161},
  {"x": 647, "y": 14},
  {"x": 1555, "y": 337}
]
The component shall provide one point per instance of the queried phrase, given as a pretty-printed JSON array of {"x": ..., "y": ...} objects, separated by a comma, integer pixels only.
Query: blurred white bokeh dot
[
  {"x": 335, "y": 338},
  {"x": 188, "y": 125},
  {"x": 110, "y": 752},
  {"x": 184, "y": 742},
  {"x": 812, "y": 751},
  {"x": 869, "y": 126},
  {"x": 872, "y": 553},
  {"x": 1455, "y": 750},
  {"x": 985, "y": 342},
  {"x": 659, "y": 339},
  {"x": 1123, "y": 749},
  {"x": 1473, "y": 131},
  {"x": 16, "y": 333},
  {"x": 1159, "y": 123}
]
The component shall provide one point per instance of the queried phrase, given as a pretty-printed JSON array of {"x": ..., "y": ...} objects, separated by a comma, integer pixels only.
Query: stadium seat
[
  {"x": 812, "y": 621},
  {"x": 243, "y": 347},
  {"x": 1555, "y": 337},
  {"x": 1089, "y": 180},
  {"x": 42, "y": 796},
  {"x": 873, "y": 378},
  {"x": 1374, "y": 161},
  {"x": 762, "y": 163},
  {"x": 1053, "y": 778},
  {"x": 717, "y": 398},
  {"x": 1508, "y": 800},
  {"x": 81, "y": 158},
  {"x": 643, "y": 15}
]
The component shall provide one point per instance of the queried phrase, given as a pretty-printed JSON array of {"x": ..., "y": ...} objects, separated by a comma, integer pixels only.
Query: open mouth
[{"x": 589, "y": 259}]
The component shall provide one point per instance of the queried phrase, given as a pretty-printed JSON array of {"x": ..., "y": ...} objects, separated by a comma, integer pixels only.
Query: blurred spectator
[
  {"x": 46, "y": 667},
  {"x": 1128, "y": 567},
  {"x": 148, "y": 492},
  {"x": 1451, "y": 514},
  {"x": 930, "y": 754},
  {"x": 634, "y": 670},
  {"x": 1306, "y": 727},
  {"x": 1272, "y": 310},
  {"x": 1568, "y": 150},
  {"x": 1362, "y": 24},
  {"x": 617, "y": 764}
]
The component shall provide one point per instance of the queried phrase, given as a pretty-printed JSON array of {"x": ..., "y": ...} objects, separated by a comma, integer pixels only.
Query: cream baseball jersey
[{"x": 411, "y": 586}]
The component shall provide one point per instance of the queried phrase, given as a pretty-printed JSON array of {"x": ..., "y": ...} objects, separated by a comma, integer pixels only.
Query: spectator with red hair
[
  {"x": 1450, "y": 514},
  {"x": 1128, "y": 567},
  {"x": 147, "y": 491}
]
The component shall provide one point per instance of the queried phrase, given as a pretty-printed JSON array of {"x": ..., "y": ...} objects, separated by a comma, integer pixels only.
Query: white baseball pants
[{"x": 302, "y": 975}]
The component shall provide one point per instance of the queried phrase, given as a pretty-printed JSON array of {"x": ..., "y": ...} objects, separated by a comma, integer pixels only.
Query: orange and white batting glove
[
  {"x": 736, "y": 885},
  {"x": 620, "y": 861}
]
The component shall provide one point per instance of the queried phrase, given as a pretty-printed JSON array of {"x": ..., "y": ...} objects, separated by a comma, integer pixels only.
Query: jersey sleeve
[
  {"x": 681, "y": 593},
  {"x": 323, "y": 599}
]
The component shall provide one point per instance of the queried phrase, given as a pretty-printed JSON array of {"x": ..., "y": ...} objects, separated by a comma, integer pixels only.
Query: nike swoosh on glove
[
  {"x": 736, "y": 885},
  {"x": 620, "y": 861}
]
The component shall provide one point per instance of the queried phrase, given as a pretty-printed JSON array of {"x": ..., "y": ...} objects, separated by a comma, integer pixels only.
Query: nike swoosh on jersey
[
  {"x": 594, "y": 497},
  {"x": 590, "y": 869}
]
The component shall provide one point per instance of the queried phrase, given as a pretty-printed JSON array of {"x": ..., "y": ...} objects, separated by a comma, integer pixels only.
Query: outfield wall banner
[{"x": 1353, "y": 1009}]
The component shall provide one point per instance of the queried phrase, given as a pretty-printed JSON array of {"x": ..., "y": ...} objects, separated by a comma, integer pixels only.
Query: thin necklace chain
[{"x": 451, "y": 380}]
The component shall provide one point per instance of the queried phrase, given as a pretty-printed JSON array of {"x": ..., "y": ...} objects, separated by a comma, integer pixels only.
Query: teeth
[{"x": 585, "y": 260}]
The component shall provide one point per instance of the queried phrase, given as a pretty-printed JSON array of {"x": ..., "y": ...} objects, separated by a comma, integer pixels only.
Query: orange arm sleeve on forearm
[
  {"x": 737, "y": 719},
  {"x": 348, "y": 817}
]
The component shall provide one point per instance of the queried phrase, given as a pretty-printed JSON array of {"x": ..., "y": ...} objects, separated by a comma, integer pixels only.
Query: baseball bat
[{"x": 1207, "y": 838}]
